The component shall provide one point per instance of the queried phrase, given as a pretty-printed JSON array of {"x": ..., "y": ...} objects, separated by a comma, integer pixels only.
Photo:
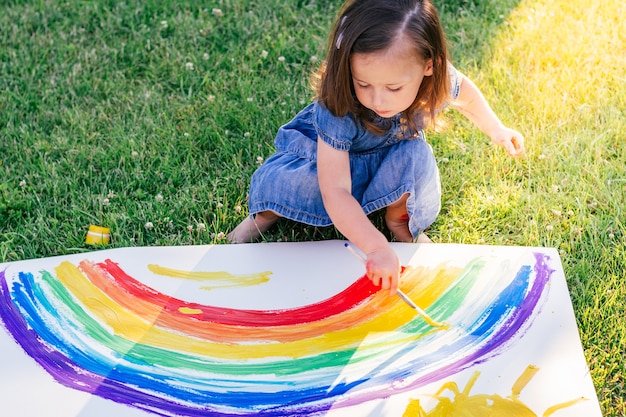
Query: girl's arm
[
  {"x": 473, "y": 105},
  {"x": 333, "y": 167}
]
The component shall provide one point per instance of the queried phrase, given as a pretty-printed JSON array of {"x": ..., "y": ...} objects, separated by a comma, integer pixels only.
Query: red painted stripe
[{"x": 347, "y": 299}]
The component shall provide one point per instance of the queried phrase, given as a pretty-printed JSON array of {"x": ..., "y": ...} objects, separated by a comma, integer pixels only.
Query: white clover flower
[
  {"x": 23, "y": 183},
  {"x": 542, "y": 156},
  {"x": 186, "y": 134},
  {"x": 190, "y": 228},
  {"x": 158, "y": 198},
  {"x": 200, "y": 227},
  {"x": 105, "y": 202},
  {"x": 549, "y": 227},
  {"x": 281, "y": 58},
  {"x": 557, "y": 213},
  {"x": 149, "y": 226},
  {"x": 205, "y": 56},
  {"x": 259, "y": 160},
  {"x": 220, "y": 235},
  {"x": 189, "y": 66},
  {"x": 164, "y": 24},
  {"x": 246, "y": 135},
  {"x": 169, "y": 222},
  {"x": 264, "y": 54},
  {"x": 220, "y": 205},
  {"x": 134, "y": 154},
  {"x": 237, "y": 209},
  {"x": 211, "y": 98},
  {"x": 217, "y": 12},
  {"x": 111, "y": 194},
  {"x": 250, "y": 99},
  {"x": 313, "y": 59}
]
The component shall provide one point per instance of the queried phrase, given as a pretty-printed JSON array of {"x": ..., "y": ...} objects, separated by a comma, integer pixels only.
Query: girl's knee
[{"x": 399, "y": 204}]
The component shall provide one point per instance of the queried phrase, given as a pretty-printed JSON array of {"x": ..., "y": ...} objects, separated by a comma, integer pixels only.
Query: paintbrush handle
[
  {"x": 355, "y": 253},
  {"x": 400, "y": 293},
  {"x": 421, "y": 312},
  {"x": 407, "y": 300}
]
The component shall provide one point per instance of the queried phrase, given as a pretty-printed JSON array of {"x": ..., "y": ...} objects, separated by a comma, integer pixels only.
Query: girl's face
[{"x": 387, "y": 82}]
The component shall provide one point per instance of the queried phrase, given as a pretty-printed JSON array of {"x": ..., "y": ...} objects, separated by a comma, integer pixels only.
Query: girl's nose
[{"x": 377, "y": 98}]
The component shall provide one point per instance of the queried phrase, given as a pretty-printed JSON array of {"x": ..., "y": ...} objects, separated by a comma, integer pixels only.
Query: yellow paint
[
  {"x": 424, "y": 292},
  {"x": 523, "y": 380},
  {"x": 139, "y": 328},
  {"x": 426, "y": 284},
  {"x": 219, "y": 279},
  {"x": 414, "y": 409},
  {"x": 558, "y": 407},
  {"x": 480, "y": 405},
  {"x": 187, "y": 310},
  {"x": 430, "y": 321}
]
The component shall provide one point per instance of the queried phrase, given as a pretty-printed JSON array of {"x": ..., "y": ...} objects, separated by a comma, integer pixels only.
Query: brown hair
[{"x": 365, "y": 26}]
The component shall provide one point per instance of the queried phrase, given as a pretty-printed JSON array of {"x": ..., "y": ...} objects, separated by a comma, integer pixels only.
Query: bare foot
[{"x": 250, "y": 229}]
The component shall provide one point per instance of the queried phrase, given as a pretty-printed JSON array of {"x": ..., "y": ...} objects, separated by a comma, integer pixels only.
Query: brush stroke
[
  {"x": 79, "y": 324},
  {"x": 480, "y": 405},
  {"x": 219, "y": 279}
]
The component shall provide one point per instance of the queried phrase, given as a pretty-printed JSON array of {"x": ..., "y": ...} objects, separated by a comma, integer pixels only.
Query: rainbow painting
[{"x": 283, "y": 329}]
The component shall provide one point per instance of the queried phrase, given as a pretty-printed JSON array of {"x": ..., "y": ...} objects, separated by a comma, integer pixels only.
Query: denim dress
[{"x": 383, "y": 168}]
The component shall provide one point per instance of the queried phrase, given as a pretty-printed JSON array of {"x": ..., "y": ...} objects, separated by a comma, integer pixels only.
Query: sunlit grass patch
[{"x": 555, "y": 71}]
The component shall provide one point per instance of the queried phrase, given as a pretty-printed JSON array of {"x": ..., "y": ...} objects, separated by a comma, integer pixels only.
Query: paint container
[{"x": 98, "y": 235}]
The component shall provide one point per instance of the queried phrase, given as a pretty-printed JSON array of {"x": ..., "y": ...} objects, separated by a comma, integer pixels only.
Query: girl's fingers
[
  {"x": 517, "y": 147},
  {"x": 385, "y": 282},
  {"x": 375, "y": 280}
]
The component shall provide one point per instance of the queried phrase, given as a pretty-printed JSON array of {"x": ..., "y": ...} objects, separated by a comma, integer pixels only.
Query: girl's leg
[
  {"x": 397, "y": 220},
  {"x": 250, "y": 229}
]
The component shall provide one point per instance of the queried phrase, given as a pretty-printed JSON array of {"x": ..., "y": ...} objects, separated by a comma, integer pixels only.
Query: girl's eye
[{"x": 393, "y": 90}]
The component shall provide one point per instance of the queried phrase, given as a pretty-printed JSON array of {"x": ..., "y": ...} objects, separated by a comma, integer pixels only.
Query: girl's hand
[
  {"x": 383, "y": 268},
  {"x": 511, "y": 140}
]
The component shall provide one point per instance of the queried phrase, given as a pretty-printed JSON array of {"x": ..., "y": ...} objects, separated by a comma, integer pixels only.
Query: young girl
[{"x": 360, "y": 145}]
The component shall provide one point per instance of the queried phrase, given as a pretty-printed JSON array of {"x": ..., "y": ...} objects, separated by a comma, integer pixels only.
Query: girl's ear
[{"x": 428, "y": 68}]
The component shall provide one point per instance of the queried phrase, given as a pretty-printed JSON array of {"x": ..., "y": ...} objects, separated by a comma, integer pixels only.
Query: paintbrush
[{"x": 402, "y": 295}]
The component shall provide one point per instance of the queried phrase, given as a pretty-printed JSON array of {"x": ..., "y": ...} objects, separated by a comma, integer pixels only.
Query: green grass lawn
[{"x": 150, "y": 117}]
